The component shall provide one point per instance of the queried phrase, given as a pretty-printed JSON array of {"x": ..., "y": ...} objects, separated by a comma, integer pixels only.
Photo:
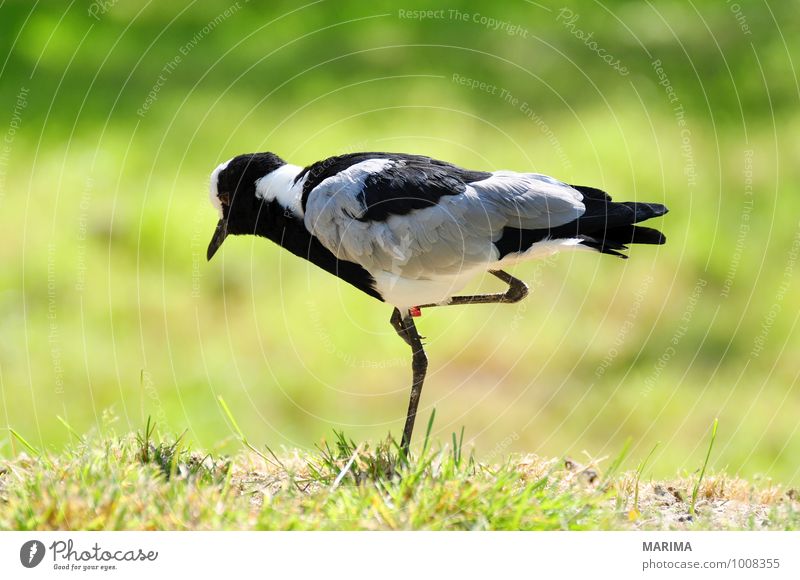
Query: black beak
[{"x": 219, "y": 236}]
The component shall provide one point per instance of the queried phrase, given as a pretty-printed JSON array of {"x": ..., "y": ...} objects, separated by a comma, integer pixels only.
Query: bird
[{"x": 412, "y": 231}]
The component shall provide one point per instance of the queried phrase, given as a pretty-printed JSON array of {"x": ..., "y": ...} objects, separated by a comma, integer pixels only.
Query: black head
[{"x": 233, "y": 193}]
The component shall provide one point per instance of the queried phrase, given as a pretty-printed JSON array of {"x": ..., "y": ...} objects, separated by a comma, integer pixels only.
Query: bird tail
[{"x": 609, "y": 226}]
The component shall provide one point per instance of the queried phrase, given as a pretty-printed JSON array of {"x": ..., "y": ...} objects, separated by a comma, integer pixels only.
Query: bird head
[{"x": 232, "y": 191}]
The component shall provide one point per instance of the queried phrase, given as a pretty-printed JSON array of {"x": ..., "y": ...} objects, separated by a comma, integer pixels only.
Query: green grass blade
[
  {"x": 345, "y": 469},
  {"x": 25, "y": 443},
  {"x": 639, "y": 471},
  {"x": 618, "y": 460},
  {"x": 703, "y": 470},
  {"x": 229, "y": 415},
  {"x": 71, "y": 431},
  {"x": 238, "y": 429},
  {"x": 427, "y": 441}
]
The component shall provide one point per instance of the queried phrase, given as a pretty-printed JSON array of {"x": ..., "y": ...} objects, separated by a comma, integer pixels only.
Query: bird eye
[{"x": 224, "y": 198}]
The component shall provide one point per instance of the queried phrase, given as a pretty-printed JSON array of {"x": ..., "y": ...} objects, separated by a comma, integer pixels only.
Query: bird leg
[
  {"x": 397, "y": 323},
  {"x": 517, "y": 290},
  {"x": 407, "y": 330}
]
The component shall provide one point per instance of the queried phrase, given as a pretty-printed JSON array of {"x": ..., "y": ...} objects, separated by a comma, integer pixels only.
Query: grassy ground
[
  {"x": 139, "y": 482},
  {"x": 107, "y": 301}
]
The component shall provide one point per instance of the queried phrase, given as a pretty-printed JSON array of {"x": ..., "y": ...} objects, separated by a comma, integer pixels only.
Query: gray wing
[
  {"x": 530, "y": 200},
  {"x": 446, "y": 237}
]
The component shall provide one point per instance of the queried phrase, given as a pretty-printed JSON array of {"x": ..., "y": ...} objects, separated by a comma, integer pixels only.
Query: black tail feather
[
  {"x": 618, "y": 238},
  {"x": 606, "y": 226},
  {"x": 636, "y": 235}
]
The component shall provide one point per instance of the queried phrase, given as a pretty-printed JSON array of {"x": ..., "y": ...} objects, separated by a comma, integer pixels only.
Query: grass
[
  {"x": 141, "y": 481},
  {"x": 696, "y": 487}
]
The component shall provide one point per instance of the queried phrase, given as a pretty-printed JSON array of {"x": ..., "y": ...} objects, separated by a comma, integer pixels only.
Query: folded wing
[{"x": 420, "y": 217}]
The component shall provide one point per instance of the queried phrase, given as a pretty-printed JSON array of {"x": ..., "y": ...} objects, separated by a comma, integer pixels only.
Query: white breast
[{"x": 407, "y": 292}]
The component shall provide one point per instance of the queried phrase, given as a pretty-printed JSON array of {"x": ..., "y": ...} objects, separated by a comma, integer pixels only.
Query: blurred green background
[{"x": 114, "y": 114}]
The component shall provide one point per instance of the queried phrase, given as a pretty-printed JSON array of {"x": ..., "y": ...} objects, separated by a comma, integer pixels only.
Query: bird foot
[{"x": 415, "y": 311}]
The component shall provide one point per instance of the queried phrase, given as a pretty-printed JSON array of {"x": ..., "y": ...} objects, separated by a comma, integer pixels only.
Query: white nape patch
[
  {"x": 213, "y": 193},
  {"x": 279, "y": 185}
]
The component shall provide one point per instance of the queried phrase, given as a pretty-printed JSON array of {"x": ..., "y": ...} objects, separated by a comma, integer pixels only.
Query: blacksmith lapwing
[{"x": 412, "y": 231}]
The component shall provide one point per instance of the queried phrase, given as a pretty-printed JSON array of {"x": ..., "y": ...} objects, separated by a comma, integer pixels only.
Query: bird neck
[{"x": 288, "y": 231}]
